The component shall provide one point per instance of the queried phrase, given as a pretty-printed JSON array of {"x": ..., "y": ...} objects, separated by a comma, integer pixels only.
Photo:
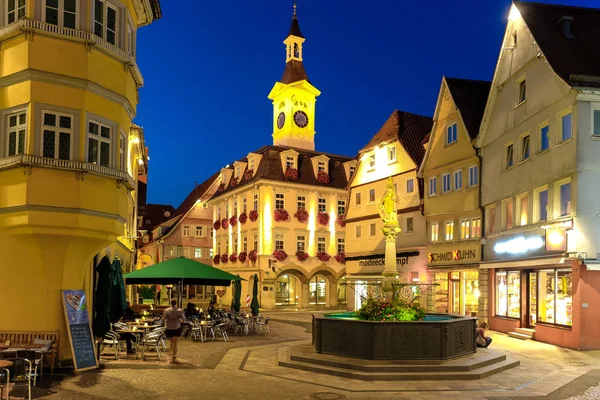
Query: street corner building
[
  {"x": 279, "y": 211},
  {"x": 539, "y": 143},
  {"x": 69, "y": 153}
]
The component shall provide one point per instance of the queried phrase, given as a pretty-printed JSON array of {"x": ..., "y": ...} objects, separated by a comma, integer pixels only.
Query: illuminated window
[
  {"x": 409, "y": 224},
  {"x": 450, "y": 230},
  {"x": 186, "y": 230},
  {"x": 301, "y": 243},
  {"x": 57, "y": 132},
  {"x": 373, "y": 229},
  {"x": 15, "y": 10},
  {"x": 372, "y": 161},
  {"x": 451, "y": 134},
  {"x": 432, "y": 186},
  {"x": 289, "y": 162},
  {"x": 446, "y": 183},
  {"x": 16, "y": 127},
  {"x": 321, "y": 166},
  {"x": 392, "y": 154},
  {"x": 278, "y": 242},
  {"x": 490, "y": 219},
  {"x": 341, "y": 245},
  {"x": 523, "y": 209},
  {"x": 372, "y": 196},
  {"x": 507, "y": 214},
  {"x": 434, "y": 231},
  {"x": 341, "y": 207},
  {"x": 198, "y": 252},
  {"x": 565, "y": 199},
  {"x": 522, "y": 91},
  {"x": 301, "y": 203},
  {"x": 476, "y": 227},
  {"x": 105, "y": 20},
  {"x": 525, "y": 148},
  {"x": 508, "y": 294},
  {"x": 322, "y": 205},
  {"x": 458, "y": 179},
  {"x": 211, "y": 253},
  {"x": 357, "y": 199},
  {"x": 358, "y": 231},
  {"x": 321, "y": 247},
  {"x": 245, "y": 244},
  {"x": 566, "y": 129},
  {"x": 410, "y": 186},
  {"x": 473, "y": 175},
  {"x": 555, "y": 296},
  {"x": 199, "y": 231},
  {"x": 99, "y": 143},
  {"x": 465, "y": 228},
  {"x": 279, "y": 201},
  {"x": 508, "y": 153}
]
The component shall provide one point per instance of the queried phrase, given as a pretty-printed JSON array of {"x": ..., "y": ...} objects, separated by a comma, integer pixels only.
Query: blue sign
[{"x": 78, "y": 324}]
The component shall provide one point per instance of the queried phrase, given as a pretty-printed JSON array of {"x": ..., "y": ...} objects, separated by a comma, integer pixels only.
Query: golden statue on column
[{"x": 391, "y": 228}]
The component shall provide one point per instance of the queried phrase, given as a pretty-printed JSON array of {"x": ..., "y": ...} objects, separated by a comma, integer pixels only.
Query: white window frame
[
  {"x": 16, "y": 129},
  {"x": 371, "y": 161},
  {"x": 279, "y": 199},
  {"x": 199, "y": 231},
  {"x": 290, "y": 162},
  {"x": 536, "y": 204},
  {"x": 245, "y": 244},
  {"x": 57, "y": 131},
  {"x": 101, "y": 139},
  {"x": 392, "y": 154},
  {"x": 255, "y": 201},
  {"x": 106, "y": 5},
  {"x": 321, "y": 166},
  {"x": 15, "y": 11},
  {"x": 322, "y": 205},
  {"x": 279, "y": 241},
  {"x": 434, "y": 231},
  {"x": 301, "y": 243},
  {"x": 446, "y": 183},
  {"x": 518, "y": 209},
  {"x": 521, "y": 91},
  {"x": 123, "y": 151},
  {"x": 561, "y": 116},
  {"x": 453, "y": 128},
  {"x": 595, "y": 113},
  {"x": 509, "y": 149},
  {"x": 131, "y": 37},
  {"x": 458, "y": 181},
  {"x": 321, "y": 241},
  {"x": 465, "y": 228},
  {"x": 341, "y": 207},
  {"x": 413, "y": 225},
  {"x": 475, "y": 225},
  {"x": 545, "y": 124},
  {"x": 301, "y": 202},
  {"x": 432, "y": 187},
  {"x": 198, "y": 252},
  {"x": 525, "y": 145},
  {"x": 473, "y": 176},
  {"x": 410, "y": 186},
  {"x": 244, "y": 204},
  {"x": 185, "y": 230},
  {"x": 557, "y": 200},
  {"x": 505, "y": 204},
  {"x": 449, "y": 231},
  {"x": 352, "y": 171},
  {"x": 61, "y": 14},
  {"x": 341, "y": 245},
  {"x": 489, "y": 219}
]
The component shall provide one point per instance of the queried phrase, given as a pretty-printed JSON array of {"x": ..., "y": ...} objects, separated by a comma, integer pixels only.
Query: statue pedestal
[{"x": 390, "y": 271}]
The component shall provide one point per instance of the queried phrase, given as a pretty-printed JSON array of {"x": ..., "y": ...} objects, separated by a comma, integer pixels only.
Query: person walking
[
  {"x": 173, "y": 317},
  {"x": 482, "y": 339}
]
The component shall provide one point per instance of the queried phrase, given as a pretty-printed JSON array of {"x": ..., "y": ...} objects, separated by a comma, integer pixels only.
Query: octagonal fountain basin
[{"x": 437, "y": 337}]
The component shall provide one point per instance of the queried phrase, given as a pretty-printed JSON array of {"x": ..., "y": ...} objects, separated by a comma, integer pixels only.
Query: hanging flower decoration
[
  {"x": 322, "y": 256},
  {"x": 216, "y": 259},
  {"x": 281, "y": 215},
  {"x": 301, "y": 215},
  {"x": 340, "y": 220},
  {"x": 224, "y": 258},
  {"x": 323, "y": 177},
  {"x": 217, "y": 225},
  {"x": 249, "y": 174},
  {"x": 225, "y": 223},
  {"x": 280, "y": 255},
  {"x": 233, "y": 258},
  {"x": 291, "y": 174},
  {"x": 252, "y": 256},
  {"x": 253, "y": 215},
  {"x": 234, "y": 181},
  {"x": 221, "y": 187},
  {"x": 341, "y": 258},
  {"x": 243, "y": 218},
  {"x": 242, "y": 257},
  {"x": 323, "y": 218},
  {"x": 302, "y": 255},
  {"x": 233, "y": 221}
]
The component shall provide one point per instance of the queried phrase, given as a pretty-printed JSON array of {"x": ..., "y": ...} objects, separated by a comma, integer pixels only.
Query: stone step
[
  {"x": 477, "y": 373},
  {"x": 468, "y": 363},
  {"x": 518, "y": 335},
  {"x": 526, "y": 331}
]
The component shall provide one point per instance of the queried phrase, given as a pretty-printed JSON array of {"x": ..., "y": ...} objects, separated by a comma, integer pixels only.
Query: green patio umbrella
[
  {"x": 118, "y": 303},
  {"x": 102, "y": 298},
  {"x": 237, "y": 294},
  {"x": 255, "y": 305}
]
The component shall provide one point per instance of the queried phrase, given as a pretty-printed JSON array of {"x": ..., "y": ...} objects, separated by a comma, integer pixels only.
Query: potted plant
[
  {"x": 233, "y": 258},
  {"x": 301, "y": 215},
  {"x": 233, "y": 220},
  {"x": 224, "y": 258},
  {"x": 323, "y": 256},
  {"x": 234, "y": 181},
  {"x": 249, "y": 174},
  {"x": 217, "y": 225},
  {"x": 225, "y": 223},
  {"x": 281, "y": 215},
  {"x": 216, "y": 259},
  {"x": 291, "y": 174},
  {"x": 243, "y": 217},
  {"x": 253, "y": 215},
  {"x": 221, "y": 187},
  {"x": 280, "y": 255},
  {"x": 323, "y": 177},
  {"x": 242, "y": 257},
  {"x": 301, "y": 256},
  {"x": 323, "y": 218},
  {"x": 340, "y": 220},
  {"x": 252, "y": 256},
  {"x": 341, "y": 257}
]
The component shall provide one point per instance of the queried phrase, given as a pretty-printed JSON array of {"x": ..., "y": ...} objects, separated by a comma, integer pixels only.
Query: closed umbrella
[
  {"x": 237, "y": 294},
  {"x": 102, "y": 298},
  {"x": 255, "y": 305},
  {"x": 118, "y": 303}
]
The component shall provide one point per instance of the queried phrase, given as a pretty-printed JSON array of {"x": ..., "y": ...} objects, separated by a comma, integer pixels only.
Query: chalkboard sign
[{"x": 78, "y": 327}]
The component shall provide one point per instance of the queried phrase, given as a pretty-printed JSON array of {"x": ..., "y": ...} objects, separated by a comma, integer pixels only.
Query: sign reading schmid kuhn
[{"x": 454, "y": 255}]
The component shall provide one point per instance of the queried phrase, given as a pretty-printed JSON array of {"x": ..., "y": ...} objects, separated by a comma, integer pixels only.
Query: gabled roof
[
  {"x": 157, "y": 214},
  {"x": 410, "y": 129},
  {"x": 195, "y": 195},
  {"x": 572, "y": 59},
  {"x": 470, "y": 98},
  {"x": 270, "y": 168}
]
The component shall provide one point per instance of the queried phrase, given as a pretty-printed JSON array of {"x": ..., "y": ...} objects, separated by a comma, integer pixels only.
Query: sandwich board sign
[{"x": 79, "y": 329}]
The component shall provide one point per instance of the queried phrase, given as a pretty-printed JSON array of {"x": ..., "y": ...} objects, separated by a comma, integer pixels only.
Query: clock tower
[{"x": 294, "y": 97}]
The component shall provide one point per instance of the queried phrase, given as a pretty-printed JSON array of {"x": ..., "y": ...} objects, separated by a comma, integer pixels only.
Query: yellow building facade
[
  {"x": 69, "y": 154},
  {"x": 450, "y": 171},
  {"x": 395, "y": 151}
]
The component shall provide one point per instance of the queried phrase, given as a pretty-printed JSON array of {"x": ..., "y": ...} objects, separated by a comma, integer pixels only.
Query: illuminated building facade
[
  {"x": 396, "y": 151},
  {"x": 276, "y": 211},
  {"x": 539, "y": 143},
  {"x": 450, "y": 171}
]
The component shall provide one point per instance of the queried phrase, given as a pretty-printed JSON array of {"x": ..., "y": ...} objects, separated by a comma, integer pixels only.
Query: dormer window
[
  {"x": 372, "y": 161},
  {"x": 237, "y": 172},
  {"x": 252, "y": 165},
  {"x": 352, "y": 171},
  {"x": 321, "y": 166},
  {"x": 290, "y": 162}
]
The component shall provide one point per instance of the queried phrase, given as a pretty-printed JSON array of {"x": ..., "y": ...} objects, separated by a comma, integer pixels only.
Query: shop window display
[
  {"x": 508, "y": 294},
  {"x": 555, "y": 296}
]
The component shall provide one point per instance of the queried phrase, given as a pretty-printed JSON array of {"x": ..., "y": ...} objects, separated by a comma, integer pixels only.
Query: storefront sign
[
  {"x": 454, "y": 255},
  {"x": 556, "y": 240},
  {"x": 380, "y": 262},
  {"x": 519, "y": 245}
]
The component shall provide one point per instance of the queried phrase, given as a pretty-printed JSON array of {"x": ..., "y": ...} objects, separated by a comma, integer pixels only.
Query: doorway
[{"x": 531, "y": 298}]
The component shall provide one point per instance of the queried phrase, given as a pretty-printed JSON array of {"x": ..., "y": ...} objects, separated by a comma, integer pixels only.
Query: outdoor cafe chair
[
  {"x": 36, "y": 362},
  {"x": 152, "y": 340},
  {"x": 263, "y": 325},
  {"x": 221, "y": 329},
  {"x": 111, "y": 339},
  {"x": 15, "y": 375}
]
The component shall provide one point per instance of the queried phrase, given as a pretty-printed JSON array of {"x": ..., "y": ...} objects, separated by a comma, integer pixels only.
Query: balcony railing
[
  {"x": 30, "y": 25},
  {"x": 28, "y": 160}
]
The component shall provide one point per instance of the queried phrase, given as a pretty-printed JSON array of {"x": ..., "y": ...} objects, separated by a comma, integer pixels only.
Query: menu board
[{"x": 78, "y": 327}]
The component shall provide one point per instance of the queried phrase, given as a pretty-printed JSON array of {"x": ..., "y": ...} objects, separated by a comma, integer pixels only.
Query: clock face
[
  {"x": 280, "y": 120},
  {"x": 301, "y": 119}
]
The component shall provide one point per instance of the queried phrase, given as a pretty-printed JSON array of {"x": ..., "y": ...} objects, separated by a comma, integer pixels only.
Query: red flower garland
[
  {"x": 217, "y": 225},
  {"x": 243, "y": 217},
  {"x": 224, "y": 258},
  {"x": 340, "y": 220},
  {"x": 233, "y": 220},
  {"x": 233, "y": 257},
  {"x": 253, "y": 215},
  {"x": 302, "y": 255},
  {"x": 234, "y": 181},
  {"x": 249, "y": 174},
  {"x": 280, "y": 255},
  {"x": 301, "y": 215},
  {"x": 216, "y": 259},
  {"x": 252, "y": 256},
  {"x": 323, "y": 218},
  {"x": 322, "y": 256},
  {"x": 221, "y": 188},
  {"x": 225, "y": 223},
  {"x": 281, "y": 215},
  {"x": 291, "y": 174},
  {"x": 323, "y": 177},
  {"x": 341, "y": 258},
  {"x": 242, "y": 257}
]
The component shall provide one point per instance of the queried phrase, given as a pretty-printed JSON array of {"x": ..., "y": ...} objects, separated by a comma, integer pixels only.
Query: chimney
[{"x": 566, "y": 26}]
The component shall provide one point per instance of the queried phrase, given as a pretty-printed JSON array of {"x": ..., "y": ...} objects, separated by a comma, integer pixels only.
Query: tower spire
[{"x": 294, "y": 10}]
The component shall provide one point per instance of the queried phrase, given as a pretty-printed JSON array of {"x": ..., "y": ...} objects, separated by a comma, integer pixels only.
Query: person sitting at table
[
  {"x": 129, "y": 338},
  {"x": 212, "y": 310},
  {"x": 190, "y": 310}
]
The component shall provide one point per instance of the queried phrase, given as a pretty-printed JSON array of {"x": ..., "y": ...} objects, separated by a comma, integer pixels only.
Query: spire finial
[{"x": 294, "y": 9}]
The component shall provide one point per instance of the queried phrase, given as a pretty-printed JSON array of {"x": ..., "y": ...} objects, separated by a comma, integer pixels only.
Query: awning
[{"x": 523, "y": 263}]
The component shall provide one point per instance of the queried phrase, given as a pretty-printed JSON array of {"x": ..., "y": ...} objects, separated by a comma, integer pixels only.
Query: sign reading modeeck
[{"x": 380, "y": 262}]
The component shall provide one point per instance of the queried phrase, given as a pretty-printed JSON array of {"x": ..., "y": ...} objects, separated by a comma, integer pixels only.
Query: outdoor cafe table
[{"x": 138, "y": 333}]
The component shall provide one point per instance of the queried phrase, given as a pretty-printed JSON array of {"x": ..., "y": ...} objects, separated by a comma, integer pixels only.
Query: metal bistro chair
[
  {"x": 263, "y": 325},
  {"x": 36, "y": 363},
  {"x": 152, "y": 340},
  {"x": 17, "y": 374}
]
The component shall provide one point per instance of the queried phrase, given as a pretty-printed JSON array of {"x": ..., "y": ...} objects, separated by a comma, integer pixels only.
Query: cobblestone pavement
[{"x": 246, "y": 368}]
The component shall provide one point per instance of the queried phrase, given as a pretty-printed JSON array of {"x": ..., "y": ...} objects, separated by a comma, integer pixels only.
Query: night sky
[{"x": 209, "y": 65}]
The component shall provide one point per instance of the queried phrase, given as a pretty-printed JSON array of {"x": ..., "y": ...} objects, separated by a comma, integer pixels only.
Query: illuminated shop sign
[
  {"x": 556, "y": 240},
  {"x": 454, "y": 255},
  {"x": 377, "y": 262},
  {"x": 519, "y": 245}
]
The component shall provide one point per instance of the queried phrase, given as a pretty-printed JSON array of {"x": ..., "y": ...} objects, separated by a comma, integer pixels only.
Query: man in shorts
[{"x": 173, "y": 316}]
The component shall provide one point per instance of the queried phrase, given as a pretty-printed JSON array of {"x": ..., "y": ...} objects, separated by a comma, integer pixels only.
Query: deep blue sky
[{"x": 209, "y": 65}]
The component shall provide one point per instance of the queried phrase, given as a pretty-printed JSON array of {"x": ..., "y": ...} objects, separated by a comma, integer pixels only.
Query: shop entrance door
[
  {"x": 455, "y": 294},
  {"x": 531, "y": 298}
]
